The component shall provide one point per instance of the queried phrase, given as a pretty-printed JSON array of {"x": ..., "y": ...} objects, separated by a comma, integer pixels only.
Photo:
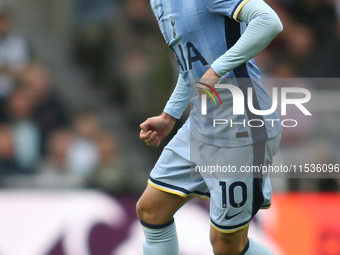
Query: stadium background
[{"x": 76, "y": 79}]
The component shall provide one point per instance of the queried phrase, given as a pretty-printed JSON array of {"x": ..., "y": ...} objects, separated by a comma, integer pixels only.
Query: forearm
[
  {"x": 179, "y": 99},
  {"x": 263, "y": 26},
  {"x": 168, "y": 117}
]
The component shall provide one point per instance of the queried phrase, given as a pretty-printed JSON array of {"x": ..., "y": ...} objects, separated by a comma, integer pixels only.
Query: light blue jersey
[
  {"x": 199, "y": 32},
  {"x": 204, "y": 34}
]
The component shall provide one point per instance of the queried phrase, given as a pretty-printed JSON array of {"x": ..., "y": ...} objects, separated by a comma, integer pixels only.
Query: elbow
[
  {"x": 277, "y": 26},
  {"x": 272, "y": 22}
]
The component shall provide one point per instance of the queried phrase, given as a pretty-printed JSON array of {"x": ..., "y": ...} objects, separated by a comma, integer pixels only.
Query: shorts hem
[
  {"x": 172, "y": 189},
  {"x": 201, "y": 196},
  {"x": 158, "y": 185},
  {"x": 229, "y": 230},
  {"x": 265, "y": 206}
]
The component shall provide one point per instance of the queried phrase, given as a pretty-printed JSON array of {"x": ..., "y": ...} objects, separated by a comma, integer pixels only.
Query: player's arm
[
  {"x": 263, "y": 26},
  {"x": 155, "y": 129}
]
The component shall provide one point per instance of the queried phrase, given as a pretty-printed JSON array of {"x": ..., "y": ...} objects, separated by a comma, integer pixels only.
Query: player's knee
[
  {"x": 142, "y": 209},
  {"x": 146, "y": 211},
  {"x": 220, "y": 248}
]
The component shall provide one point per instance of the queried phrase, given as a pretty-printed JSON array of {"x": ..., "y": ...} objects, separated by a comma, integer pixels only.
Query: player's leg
[
  {"x": 158, "y": 207},
  {"x": 155, "y": 209},
  {"x": 169, "y": 188},
  {"x": 236, "y": 244},
  {"x": 231, "y": 244}
]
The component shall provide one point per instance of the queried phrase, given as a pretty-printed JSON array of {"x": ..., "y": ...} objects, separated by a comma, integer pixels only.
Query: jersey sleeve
[
  {"x": 263, "y": 26},
  {"x": 179, "y": 99},
  {"x": 230, "y": 8}
]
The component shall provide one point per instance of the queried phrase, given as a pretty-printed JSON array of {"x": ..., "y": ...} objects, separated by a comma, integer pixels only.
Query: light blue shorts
[{"x": 189, "y": 167}]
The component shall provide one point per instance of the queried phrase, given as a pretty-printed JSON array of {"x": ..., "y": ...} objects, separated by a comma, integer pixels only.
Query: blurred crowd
[
  {"x": 41, "y": 140},
  {"x": 119, "y": 44},
  {"x": 309, "y": 43},
  {"x": 123, "y": 49}
]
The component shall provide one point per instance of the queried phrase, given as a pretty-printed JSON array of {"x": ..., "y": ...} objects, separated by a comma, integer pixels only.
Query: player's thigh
[
  {"x": 158, "y": 207},
  {"x": 170, "y": 185},
  {"x": 231, "y": 243}
]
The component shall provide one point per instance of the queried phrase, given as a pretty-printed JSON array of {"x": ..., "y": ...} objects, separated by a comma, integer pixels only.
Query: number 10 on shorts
[{"x": 233, "y": 201}]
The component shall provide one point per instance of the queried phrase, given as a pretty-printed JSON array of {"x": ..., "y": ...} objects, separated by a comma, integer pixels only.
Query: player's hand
[
  {"x": 155, "y": 129},
  {"x": 210, "y": 78}
]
